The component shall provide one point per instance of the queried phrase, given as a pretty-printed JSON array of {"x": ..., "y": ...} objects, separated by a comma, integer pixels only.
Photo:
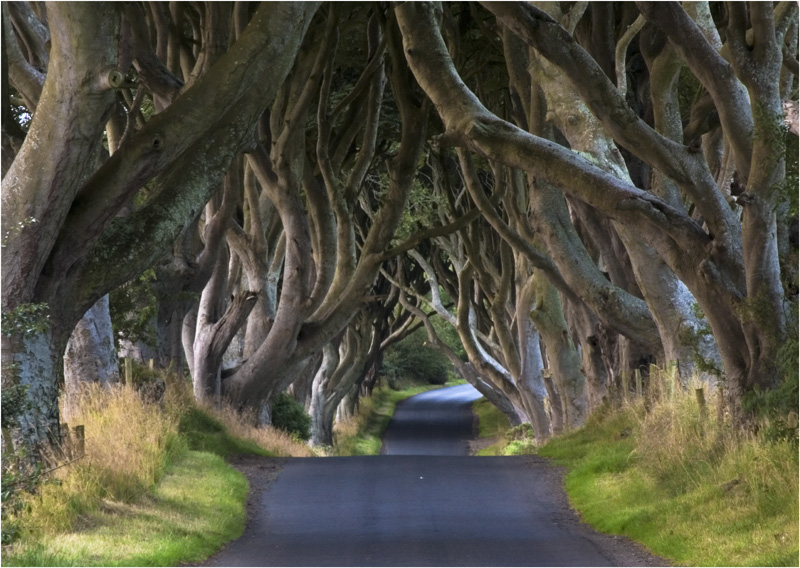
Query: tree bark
[{"x": 91, "y": 356}]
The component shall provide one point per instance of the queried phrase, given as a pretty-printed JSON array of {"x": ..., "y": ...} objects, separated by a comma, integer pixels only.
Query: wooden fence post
[
  {"x": 656, "y": 387},
  {"x": 701, "y": 402},
  {"x": 66, "y": 445},
  {"x": 128, "y": 371},
  {"x": 8, "y": 442},
  {"x": 624, "y": 386},
  {"x": 637, "y": 375},
  {"x": 80, "y": 441}
]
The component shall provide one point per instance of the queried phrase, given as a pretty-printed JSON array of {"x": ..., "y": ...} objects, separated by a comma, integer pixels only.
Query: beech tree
[
  {"x": 730, "y": 265},
  {"x": 67, "y": 239},
  {"x": 595, "y": 186}
]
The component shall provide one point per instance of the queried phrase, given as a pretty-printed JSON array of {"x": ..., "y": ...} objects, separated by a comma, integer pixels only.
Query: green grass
[
  {"x": 365, "y": 437},
  {"x": 204, "y": 433},
  {"x": 195, "y": 509},
  {"x": 735, "y": 506},
  {"x": 682, "y": 485},
  {"x": 153, "y": 490},
  {"x": 492, "y": 424}
]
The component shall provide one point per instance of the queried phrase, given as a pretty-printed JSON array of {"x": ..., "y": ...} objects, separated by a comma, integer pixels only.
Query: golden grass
[
  {"x": 128, "y": 445},
  {"x": 271, "y": 439},
  {"x": 196, "y": 507},
  {"x": 179, "y": 398},
  {"x": 684, "y": 482}
]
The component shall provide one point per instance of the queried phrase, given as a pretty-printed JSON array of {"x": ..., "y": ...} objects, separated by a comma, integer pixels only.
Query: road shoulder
[
  {"x": 261, "y": 472},
  {"x": 620, "y": 550}
]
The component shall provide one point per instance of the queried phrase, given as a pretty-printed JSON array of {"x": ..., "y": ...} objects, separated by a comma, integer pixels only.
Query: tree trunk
[
  {"x": 31, "y": 361},
  {"x": 321, "y": 423},
  {"x": 562, "y": 356},
  {"x": 90, "y": 356}
]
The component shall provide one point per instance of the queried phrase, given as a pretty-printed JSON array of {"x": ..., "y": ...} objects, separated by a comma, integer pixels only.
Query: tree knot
[
  {"x": 744, "y": 198},
  {"x": 110, "y": 78}
]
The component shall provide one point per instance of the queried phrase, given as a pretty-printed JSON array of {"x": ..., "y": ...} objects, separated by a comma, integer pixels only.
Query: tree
[
  {"x": 67, "y": 239},
  {"x": 594, "y": 187},
  {"x": 738, "y": 288}
]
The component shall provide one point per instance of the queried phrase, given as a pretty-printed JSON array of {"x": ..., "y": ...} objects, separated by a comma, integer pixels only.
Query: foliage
[
  {"x": 133, "y": 307},
  {"x": 290, "y": 416},
  {"x": 412, "y": 361},
  {"x": 792, "y": 179},
  {"x": 693, "y": 337},
  {"x": 26, "y": 319},
  {"x": 13, "y": 403},
  {"x": 446, "y": 332},
  {"x": 520, "y": 441},
  {"x": 21, "y": 477},
  {"x": 422, "y": 211},
  {"x": 522, "y": 432}
]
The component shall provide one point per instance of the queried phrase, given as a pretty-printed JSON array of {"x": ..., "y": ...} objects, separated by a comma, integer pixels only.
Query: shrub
[
  {"x": 290, "y": 416},
  {"x": 523, "y": 432},
  {"x": 412, "y": 361}
]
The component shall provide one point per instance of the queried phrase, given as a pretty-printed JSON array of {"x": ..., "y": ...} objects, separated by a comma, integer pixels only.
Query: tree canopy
[{"x": 576, "y": 190}]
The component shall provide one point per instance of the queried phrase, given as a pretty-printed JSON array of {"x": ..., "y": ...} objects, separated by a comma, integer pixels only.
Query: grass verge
[
  {"x": 195, "y": 509},
  {"x": 153, "y": 488},
  {"x": 674, "y": 479},
  {"x": 725, "y": 502},
  {"x": 492, "y": 428},
  {"x": 362, "y": 435}
]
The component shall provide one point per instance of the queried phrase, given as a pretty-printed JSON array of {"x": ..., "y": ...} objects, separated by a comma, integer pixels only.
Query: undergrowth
[
  {"x": 152, "y": 487},
  {"x": 493, "y": 428},
  {"x": 677, "y": 478}
]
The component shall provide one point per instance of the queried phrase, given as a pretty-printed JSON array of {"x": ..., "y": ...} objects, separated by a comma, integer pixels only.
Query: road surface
[
  {"x": 434, "y": 423},
  {"x": 409, "y": 507}
]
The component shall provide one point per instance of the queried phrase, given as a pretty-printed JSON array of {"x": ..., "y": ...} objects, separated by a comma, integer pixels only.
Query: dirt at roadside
[
  {"x": 619, "y": 549},
  {"x": 261, "y": 472},
  {"x": 477, "y": 445}
]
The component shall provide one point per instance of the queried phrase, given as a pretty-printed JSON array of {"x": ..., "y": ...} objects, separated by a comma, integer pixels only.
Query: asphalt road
[
  {"x": 412, "y": 508},
  {"x": 434, "y": 423}
]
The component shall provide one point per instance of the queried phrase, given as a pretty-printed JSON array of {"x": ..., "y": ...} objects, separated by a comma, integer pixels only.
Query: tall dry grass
[
  {"x": 179, "y": 399},
  {"x": 243, "y": 425},
  {"x": 676, "y": 431},
  {"x": 684, "y": 481},
  {"x": 687, "y": 448},
  {"x": 128, "y": 446}
]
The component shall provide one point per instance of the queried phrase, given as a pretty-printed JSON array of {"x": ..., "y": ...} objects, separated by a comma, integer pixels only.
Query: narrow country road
[
  {"x": 423, "y": 503},
  {"x": 434, "y": 423}
]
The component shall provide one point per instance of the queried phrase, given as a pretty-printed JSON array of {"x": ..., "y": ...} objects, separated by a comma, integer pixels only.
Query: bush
[
  {"x": 290, "y": 416},
  {"x": 412, "y": 361}
]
